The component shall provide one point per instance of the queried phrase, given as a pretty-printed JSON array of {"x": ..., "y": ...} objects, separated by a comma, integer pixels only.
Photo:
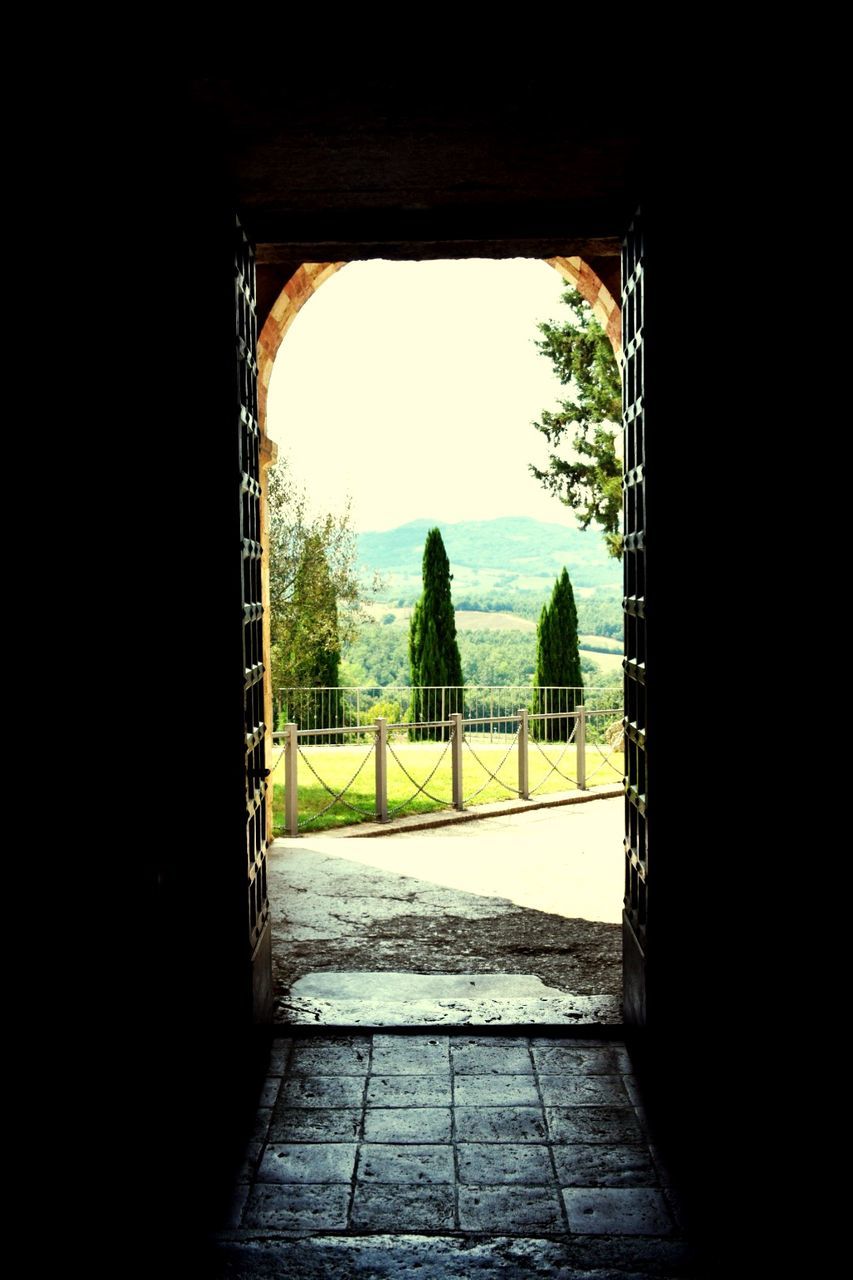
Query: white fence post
[
  {"x": 580, "y": 742},
  {"x": 523, "y": 778},
  {"x": 456, "y": 757},
  {"x": 291, "y": 782},
  {"x": 381, "y": 769}
]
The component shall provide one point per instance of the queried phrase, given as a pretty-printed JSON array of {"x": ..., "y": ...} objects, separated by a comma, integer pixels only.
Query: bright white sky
[{"x": 412, "y": 386}]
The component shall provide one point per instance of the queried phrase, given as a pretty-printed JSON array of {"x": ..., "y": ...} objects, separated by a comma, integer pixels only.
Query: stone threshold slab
[{"x": 349, "y": 998}]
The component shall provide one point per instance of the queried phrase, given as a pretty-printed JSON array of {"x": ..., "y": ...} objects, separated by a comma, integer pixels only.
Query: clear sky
[{"x": 412, "y": 386}]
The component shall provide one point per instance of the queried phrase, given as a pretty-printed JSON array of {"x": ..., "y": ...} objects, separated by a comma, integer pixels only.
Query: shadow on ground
[{"x": 332, "y": 914}]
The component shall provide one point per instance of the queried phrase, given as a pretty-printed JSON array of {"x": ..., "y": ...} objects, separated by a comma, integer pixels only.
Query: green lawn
[{"x": 337, "y": 765}]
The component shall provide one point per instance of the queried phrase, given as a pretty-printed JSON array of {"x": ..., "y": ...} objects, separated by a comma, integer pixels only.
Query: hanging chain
[
  {"x": 605, "y": 760},
  {"x": 421, "y": 787},
  {"x": 499, "y": 781},
  {"x": 554, "y": 767},
  {"x": 338, "y": 796}
]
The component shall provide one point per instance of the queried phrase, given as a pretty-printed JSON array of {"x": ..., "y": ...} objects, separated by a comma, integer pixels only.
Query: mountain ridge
[{"x": 513, "y": 550}]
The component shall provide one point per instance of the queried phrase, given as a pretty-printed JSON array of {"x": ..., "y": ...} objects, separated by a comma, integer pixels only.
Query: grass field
[
  {"x": 337, "y": 765},
  {"x": 605, "y": 661},
  {"x": 603, "y": 642}
]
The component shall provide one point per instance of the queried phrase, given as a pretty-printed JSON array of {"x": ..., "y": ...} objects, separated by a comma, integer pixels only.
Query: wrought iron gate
[
  {"x": 634, "y": 562},
  {"x": 253, "y": 668}
]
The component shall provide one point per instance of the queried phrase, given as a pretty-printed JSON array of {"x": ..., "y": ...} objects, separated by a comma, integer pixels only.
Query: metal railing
[{"x": 560, "y": 737}]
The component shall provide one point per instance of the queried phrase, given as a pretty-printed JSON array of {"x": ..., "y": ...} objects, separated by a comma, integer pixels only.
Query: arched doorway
[{"x": 309, "y": 277}]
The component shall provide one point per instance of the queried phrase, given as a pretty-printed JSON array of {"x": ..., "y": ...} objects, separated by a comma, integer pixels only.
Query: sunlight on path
[{"x": 566, "y": 860}]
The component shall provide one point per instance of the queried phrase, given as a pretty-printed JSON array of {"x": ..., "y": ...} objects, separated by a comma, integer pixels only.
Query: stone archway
[
  {"x": 605, "y": 307},
  {"x": 300, "y": 287}
]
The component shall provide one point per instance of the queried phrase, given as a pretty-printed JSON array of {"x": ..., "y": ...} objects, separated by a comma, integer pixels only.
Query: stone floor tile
[
  {"x": 628, "y": 1211},
  {"x": 407, "y": 1124},
  {"x": 410, "y": 1055},
  {"x": 491, "y": 1163},
  {"x": 381, "y": 1041},
  {"x": 261, "y": 1124},
  {"x": 409, "y": 1091},
  {"x": 251, "y": 1157},
  {"x": 347, "y": 1056},
  {"x": 308, "y": 1162},
  {"x": 623, "y": 1060},
  {"x": 571, "y": 1042},
  {"x": 632, "y": 1088},
  {"x": 495, "y": 1091},
  {"x": 375, "y": 1255},
  {"x": 403, "y": 1209},
  {"x": 642, "y": 1118},
  {"x": 314, "y": 1124},
  {"x": 569, "y": 1060},
  {"x": 282, "y": 1207},
  {"x": 500, "y": 1210},
  {"x": 322, "y": 1091},
  {"x": 279, "y": 1053},
  {"x": 593, "y": 1124},
  {"x": 591, "y": 1165},
  {"x": 269, "y": 1091},
  {"x": 500, "y": 1124},
  {"x": 489, "y": 1042},
  {"x": 238, "y": 1203},
  {"x": 498, "y": 1058},
  {"x": 412, "y": 1163},
  {"x": 582, "y": 1091},
  {"x": 664, "y": 1172},
  {"x": 677, "y": 1208}
]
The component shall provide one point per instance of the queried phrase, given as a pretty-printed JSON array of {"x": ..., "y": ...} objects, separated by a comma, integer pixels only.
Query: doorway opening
[{"x": 511, "y": 920}]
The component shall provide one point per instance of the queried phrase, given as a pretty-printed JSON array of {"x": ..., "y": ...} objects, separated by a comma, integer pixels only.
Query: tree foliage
[
  {"x": 433, "y": 651},
  {"x": 590, "y": 482},
  {"x": 314, "y": 591},
  {"x": 558, "y": 661}
]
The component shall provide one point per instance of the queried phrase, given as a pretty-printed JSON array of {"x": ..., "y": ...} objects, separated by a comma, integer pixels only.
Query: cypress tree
[
  {"x": 558, "y": 658},
  {"x": 433, "y": 651}
]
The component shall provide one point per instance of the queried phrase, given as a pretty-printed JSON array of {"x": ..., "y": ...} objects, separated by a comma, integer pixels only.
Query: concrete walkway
[
  {"x": 514, "y": 919},
  {"x": 452, "y": 1155}
]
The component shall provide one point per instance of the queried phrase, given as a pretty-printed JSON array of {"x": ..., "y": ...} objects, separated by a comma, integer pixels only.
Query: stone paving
[
  {"x": 412, "y": 929},
  {"x": 402, "y": 1136}
]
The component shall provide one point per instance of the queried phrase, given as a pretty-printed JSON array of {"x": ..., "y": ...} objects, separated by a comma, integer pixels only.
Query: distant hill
[{"x": 493, "y": 558}]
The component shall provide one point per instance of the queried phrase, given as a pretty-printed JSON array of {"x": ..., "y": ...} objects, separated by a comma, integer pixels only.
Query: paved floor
[
  {"x": 450, "y": 1155},
  {"x": 512, "y": 919}
]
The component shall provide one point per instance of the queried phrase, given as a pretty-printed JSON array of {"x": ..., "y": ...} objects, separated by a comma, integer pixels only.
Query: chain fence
[
  {"x": 554, "y": 766},
  {"x": 590, "y": 753},
  {"x": 420, "y": 787},
  {"x": 338, "y": 796},
  {"x": 490, "y": 774}
]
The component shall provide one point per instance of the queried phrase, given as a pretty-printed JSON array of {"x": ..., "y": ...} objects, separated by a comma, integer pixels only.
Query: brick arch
[
  {"x": 605, "y": 308},
  {"x": 307, "y": 280},
  {"x": 300, "y": 287}
]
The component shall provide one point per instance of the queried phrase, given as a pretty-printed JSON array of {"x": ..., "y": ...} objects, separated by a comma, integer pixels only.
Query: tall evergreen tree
[
  {"x": 433, "y": 652},
  {"x": 558, "y": 660}
]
